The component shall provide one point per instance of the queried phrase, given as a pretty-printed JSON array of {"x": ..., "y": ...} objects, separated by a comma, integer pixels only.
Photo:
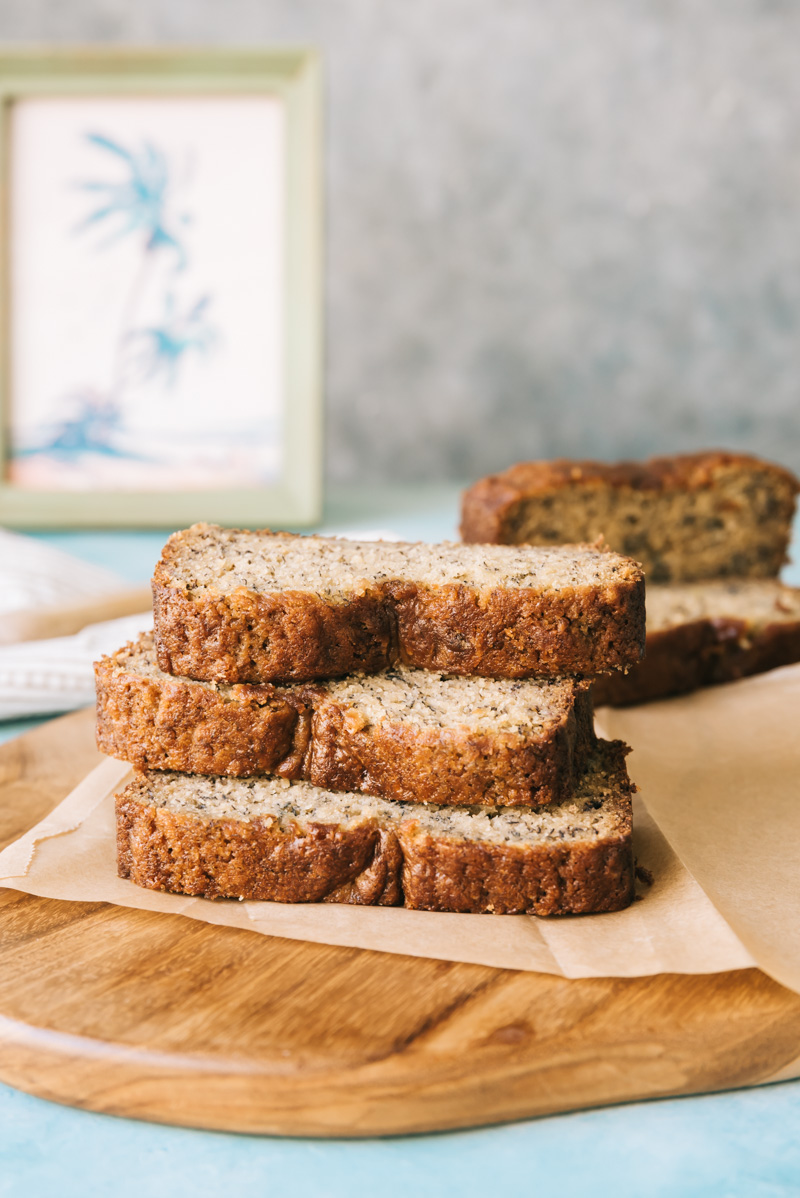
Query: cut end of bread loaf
[
  {"x": 684, "y": 518},
  {"x": 268, "y": 839},
  {"x": 706, "y": 633}
]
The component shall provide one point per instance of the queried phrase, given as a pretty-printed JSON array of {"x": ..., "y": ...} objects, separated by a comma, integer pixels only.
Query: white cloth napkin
[
  {"x": 41, "y": 677},
  {"x": 33, "y": 575},
  {"x": 46, "y": 677}
]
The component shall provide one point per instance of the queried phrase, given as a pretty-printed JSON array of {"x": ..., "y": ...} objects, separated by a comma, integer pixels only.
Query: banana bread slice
[
  {"x": 238, "y": 606},
  {"x": 699, "y": 634},
  {"x": 685, "y": 518},
  {"x": 405, "y": 734},
  {"x": 270, "y": 839}
]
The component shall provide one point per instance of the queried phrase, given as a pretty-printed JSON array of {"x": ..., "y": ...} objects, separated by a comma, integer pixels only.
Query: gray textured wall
[{"x": 564, "y": 227}]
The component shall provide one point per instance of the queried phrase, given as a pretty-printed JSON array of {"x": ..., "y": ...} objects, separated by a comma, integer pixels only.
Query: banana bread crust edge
[
  {"x": 168, "y": 850},
  {"x": 369, "y": 865},
  {"x": 298, "y": 637},
  {"x": 288, "y": 636},
  {"x": 517, "y": 634},
  {"x": 491, "y": 507},
  {"x": 170, "y": 724},
  {"x": 697, "y": 654},
  {"x": 167, "y": 724}
]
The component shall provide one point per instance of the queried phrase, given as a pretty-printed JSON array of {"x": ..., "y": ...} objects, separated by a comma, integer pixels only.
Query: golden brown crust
[
  {"x": 248, "y": 637},
  {"x": 505, "y": 880},
  {"x": 675, "y": 497},
  {"x": 518, "y": 633},
  {"x": 170, "y": 850},
  {"x": 508, "y": 633},
  {"x": 164, "y": 723},
  {"x": 701, "y": 653},
  {"x": 678, "y": 472}
]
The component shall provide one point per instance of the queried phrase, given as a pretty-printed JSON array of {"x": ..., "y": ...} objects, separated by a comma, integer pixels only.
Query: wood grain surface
[{"x": 160, "y": 1017}]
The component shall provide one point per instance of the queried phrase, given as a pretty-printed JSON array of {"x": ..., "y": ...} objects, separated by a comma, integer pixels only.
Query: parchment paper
[
  {"x": 718, "y": 771},
  {"x": 720, "y": 774},
  {"x": 717, "y": 824}
]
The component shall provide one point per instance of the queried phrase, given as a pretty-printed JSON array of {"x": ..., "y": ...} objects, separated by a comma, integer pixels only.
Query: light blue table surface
[{"x": 740, "y": 1143}]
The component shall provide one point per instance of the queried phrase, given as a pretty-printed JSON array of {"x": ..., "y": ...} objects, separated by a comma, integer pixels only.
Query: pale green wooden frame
[{"x": 294, "y": 77}]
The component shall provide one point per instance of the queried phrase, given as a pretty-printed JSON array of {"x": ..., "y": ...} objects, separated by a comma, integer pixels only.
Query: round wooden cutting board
[{"x": 160, "y": 1017}]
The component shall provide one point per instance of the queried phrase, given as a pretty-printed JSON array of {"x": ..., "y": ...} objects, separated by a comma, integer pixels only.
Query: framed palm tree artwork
[{"x": 160, "y": 274}]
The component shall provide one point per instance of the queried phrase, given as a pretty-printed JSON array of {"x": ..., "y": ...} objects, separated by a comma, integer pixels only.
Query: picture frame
[{"x": 72, "y": 452}]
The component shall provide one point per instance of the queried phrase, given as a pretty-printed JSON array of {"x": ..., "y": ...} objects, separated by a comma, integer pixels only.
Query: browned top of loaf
[
  {"x": 684, "y": 518},
  {"x": 222, "y": 561},
  {"x": 688, "y": 471}
]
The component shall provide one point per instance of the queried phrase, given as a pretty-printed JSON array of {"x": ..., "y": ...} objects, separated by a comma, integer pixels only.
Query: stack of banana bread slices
[{"x": 317, "y": 719}]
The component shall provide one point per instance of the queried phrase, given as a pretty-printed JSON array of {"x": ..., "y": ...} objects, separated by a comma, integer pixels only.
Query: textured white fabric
[
  {"x": 42, "y": 677},
  {"x": 33, "y": 575}
]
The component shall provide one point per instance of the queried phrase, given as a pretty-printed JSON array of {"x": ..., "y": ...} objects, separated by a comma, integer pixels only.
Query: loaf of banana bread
[
  {"x": 238, "y": 606},
  {"x": 684, "y": 518},
  {"x": 404, "y": 734},
  {"x": 271, "y": 839},
  {"x": 699, "y": 634}
]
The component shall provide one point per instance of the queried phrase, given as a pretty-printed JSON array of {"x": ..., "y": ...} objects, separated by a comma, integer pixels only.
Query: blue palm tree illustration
[
  {"x": 139, "y": 201},
  {"x": 158, "y": 349},
  {"x": 89, "y": 429}
]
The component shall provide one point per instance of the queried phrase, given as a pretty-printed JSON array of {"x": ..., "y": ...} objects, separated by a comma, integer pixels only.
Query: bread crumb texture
[
  {"x": 224, "y": 559},
  {"x": 238, "y": 606},
  {"x": 271, "y": 839},
  {"x": 684, "y": 518},
  {"x": 754, "y": 602},
  {"x": 703, "y": 634}
]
